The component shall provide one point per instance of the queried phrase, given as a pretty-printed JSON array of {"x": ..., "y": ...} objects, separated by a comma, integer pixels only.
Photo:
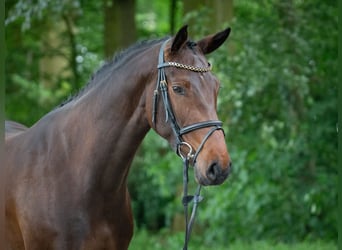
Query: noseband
[{"x": 192, "y": 155}]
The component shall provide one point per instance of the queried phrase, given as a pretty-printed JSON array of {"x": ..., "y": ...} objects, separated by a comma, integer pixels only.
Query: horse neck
[{"x": 108, "y": 123}]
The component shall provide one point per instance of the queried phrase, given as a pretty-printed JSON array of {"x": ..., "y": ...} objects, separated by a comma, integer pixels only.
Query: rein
[{"x": 191, "y": 156}]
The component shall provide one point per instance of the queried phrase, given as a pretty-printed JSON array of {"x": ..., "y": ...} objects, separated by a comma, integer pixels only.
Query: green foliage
[
  {"x": 152, "y": 18},
  {"x": 166, "y": 240},
  {"x": 27, "y": 12},
  {"x": 288, "y": 150},
  {"x": 33, "y": 98}
]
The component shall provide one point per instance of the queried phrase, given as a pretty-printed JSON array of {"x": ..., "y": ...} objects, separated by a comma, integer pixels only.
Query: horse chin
[
  {"x": 201, "y": 180},
  {"x": 206, "y": 181}
]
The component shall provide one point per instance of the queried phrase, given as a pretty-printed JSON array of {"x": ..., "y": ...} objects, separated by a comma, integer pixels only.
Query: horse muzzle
[{"x": 215, "y": 173}]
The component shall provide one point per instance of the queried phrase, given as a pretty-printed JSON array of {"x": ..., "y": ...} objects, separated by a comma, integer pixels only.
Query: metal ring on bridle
[{"x": 179, "y": 151}]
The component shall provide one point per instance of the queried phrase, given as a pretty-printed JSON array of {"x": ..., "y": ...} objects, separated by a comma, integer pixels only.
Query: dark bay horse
[{"x": 66, "y": 176}]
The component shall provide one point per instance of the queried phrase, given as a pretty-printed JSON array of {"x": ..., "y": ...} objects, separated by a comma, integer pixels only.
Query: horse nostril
[
  {"x": 213, "y": 171},
  {"x": 230, "y": 166}
]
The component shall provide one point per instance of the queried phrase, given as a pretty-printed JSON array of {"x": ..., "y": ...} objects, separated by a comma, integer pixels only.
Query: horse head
[{"x": 183, "y": 109}]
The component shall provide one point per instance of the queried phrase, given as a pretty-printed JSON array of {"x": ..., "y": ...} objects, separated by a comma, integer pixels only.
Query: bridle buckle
[{"x": 189, "y": 155}]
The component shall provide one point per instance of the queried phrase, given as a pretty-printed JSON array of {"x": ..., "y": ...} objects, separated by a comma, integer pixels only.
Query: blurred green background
[{"x": 278, "y": 104}]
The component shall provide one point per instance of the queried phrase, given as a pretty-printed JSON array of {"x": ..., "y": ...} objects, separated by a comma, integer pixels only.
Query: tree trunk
[
  {"x": 219, "y": 14},
  {"x": 70, "y": 32},
  {"x": 119, "y": 25},
  {"x": 173, "y": 11}
]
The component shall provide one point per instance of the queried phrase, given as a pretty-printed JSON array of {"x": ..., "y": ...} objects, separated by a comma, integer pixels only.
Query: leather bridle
[{"x": 191, "y": 156}]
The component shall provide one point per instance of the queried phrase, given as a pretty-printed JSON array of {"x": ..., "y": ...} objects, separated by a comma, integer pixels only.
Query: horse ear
[
  {"x": 180, "y": 39},
  {"x": 212, "y": 42}
]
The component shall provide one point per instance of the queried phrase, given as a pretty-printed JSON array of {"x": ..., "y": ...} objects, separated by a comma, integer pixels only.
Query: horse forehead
[
  {"x": 194, "y": 56},
  {"x": 187, "y": 55},
  {"x": 203, "y": 80}
]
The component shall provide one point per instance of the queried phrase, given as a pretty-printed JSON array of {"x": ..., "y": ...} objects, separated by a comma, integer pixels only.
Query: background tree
[
  {"x": 213, "y": 14},
  {"x": 119, "y": 25}
]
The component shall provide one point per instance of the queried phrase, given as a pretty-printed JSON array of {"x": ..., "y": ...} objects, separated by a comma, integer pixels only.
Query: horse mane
[{"x": 110, "y": 65}]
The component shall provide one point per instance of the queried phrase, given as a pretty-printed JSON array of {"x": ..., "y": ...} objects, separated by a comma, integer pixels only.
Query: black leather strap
[{"x": 199, "y": 125}]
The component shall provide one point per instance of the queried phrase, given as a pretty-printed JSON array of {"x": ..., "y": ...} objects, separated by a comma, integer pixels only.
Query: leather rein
[{"x": 191, "y": 156}]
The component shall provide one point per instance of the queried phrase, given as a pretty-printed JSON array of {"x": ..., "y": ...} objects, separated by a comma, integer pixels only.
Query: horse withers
[{"x": 66, "y": 176}]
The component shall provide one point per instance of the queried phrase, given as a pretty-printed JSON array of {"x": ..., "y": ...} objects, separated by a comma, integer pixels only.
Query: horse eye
[{"x": 178, "y": 90}]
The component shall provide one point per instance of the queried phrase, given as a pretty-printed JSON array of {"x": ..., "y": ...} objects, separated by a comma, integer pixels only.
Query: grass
[{"x": 142, "y": 240}]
